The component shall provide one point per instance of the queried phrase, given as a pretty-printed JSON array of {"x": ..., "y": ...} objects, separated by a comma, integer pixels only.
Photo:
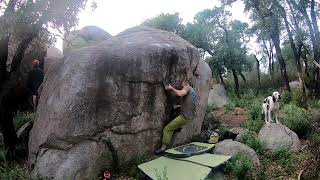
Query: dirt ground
[{"x": 231, "y": 119}]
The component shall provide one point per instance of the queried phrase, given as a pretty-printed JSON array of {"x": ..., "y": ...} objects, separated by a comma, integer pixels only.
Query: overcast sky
[{"x": 115, "y": 16}]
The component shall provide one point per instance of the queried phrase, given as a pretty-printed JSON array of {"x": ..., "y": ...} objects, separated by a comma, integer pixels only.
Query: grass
[
  {"x": 240, "y": 166},
  {"x": 130, "y": 168},
  {"x": 11, "y": 170},
  {"x": 284, "y": 158},
  {"x": 251, "y": 139},
  {"x": 21, "y": 118}
]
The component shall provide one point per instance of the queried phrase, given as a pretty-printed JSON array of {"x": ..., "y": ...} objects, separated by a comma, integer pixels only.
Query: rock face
[
  {"x": 87, "y": 36},
  {"x": 53, "y": 55},
  {"x": 232, "y": 148},
  {"x": 217, "y": 96},
  {"x": 112, "y": 91},
  {"x": 277, "y": 135}
]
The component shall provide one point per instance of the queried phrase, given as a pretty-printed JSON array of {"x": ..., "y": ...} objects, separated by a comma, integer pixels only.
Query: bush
[
  {"x": 21, "y": 118},
  {"x": 297, "y": 119},
  {"x": 251, "y": 139},
  {"x": 255, "y": 109},
  {"x": 286, "y": 97},
  {"x": 298, "y": 99},
  {"x": 240, "y": 166}
]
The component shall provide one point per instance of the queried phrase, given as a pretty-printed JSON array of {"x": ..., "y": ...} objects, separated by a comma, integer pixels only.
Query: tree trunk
[
  {"x": 258, "y": 72},
  {"x": 7, "y": 95},
  {"x": 7, "y": 127},
  {"x": 221, "y": 78},
  {"x": 236, "y": 82},
  {"x": 314, "y": 36},
  {"x": 296, "y": 53},
  {"x": 242, "y": 76},
  {"x": 276, "y": 41},
  {"x": 317, "y": 39},
  {"x": 3, "y": 59}
]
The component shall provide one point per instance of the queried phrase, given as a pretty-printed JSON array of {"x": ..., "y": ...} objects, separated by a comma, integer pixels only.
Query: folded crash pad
[{"x": 191, "y": 167}]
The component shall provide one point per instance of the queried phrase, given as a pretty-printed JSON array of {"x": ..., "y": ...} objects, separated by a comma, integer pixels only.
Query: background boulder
[
  {"x": 231, "y": 148},
  {"x": 295, "y": 85},
  {"x": 87, "y": 36},
  {"x": 279, "y": 136},
  {"x": 112, "y": 91},
  {"x": 218, "y": 96}
]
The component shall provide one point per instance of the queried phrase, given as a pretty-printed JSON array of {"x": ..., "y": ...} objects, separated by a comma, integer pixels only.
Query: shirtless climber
[
  {"x": 187, "y": 113},
  {"x": 35, "y": 79}
]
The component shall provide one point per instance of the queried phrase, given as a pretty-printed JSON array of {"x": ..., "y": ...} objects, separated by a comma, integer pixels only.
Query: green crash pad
[
  {"x": 187, "y": 168},
  {"x": 191, "y": 149}
]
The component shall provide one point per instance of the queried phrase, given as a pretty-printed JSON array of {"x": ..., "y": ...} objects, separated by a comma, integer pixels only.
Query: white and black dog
[{"x": 271, "y": 105}]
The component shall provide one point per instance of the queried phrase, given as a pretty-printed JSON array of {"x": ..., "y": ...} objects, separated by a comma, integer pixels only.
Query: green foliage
[
  {"x": 240, "y": 166},
  {"x": 286, "y": 97},
  {"x": 251, "y": 139},
  {"x": 210, "y": 109},
  {"x": 254, "y": 125},
  {"x": 298, "y": 99},
  {"x": 11, "y": 170},
  {"x": 130, "y": 168},
  {"x": 230, "y": 106},
  {"x": 284, "y": 157},
  {"x": 315, "y": 138},
  {"x": 21, "y": 118},
  {"x": 167, "y": 22},
  {"x": 297, "y": 119}
]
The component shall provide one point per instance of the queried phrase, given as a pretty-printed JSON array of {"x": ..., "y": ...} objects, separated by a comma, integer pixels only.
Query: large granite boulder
[
  {"x": 232, "y": 148},
  {"x": 87, "y": 36},
  {"x": 112, "y": 91},
  {"x": 218, "y": 96},
  {"x": 278, "y": 136}
]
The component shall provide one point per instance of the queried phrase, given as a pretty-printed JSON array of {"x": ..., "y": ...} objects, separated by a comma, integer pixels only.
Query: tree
[
  {"x": 225, "y": 41},
  {"x": 27, "y": 20},
  {"x": 168, "y": 22},
  {"x": 266, "y": 16}
]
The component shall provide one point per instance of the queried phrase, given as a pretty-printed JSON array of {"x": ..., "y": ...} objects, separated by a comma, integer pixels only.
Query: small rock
[
  {"x": 276, "y": 136},
  {"x": 231, "y": 148},
  {"x": 237, "y": 130}
]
